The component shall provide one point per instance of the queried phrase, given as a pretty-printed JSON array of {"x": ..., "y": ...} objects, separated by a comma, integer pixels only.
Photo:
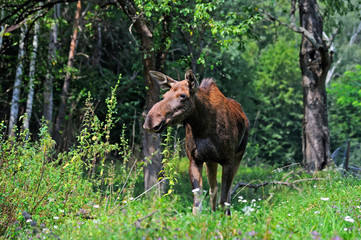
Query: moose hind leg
[
  {"x": 212, "y": 180},
  {"x": 195, "y": 175},
  {"x": 228, "y": 173}
]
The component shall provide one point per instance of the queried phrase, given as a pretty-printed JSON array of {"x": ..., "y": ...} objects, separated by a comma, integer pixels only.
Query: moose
[{"x": 216, "y": 127}]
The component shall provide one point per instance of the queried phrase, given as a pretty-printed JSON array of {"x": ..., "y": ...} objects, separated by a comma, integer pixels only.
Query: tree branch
[
  {"x": 285, "y": 183},
  {"x": 294, "y": 28}
]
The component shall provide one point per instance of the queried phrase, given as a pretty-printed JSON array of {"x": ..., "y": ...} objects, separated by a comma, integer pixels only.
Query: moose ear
[
  {"x": 161, "y": 79},
  {"x": 192, "y": 80}
]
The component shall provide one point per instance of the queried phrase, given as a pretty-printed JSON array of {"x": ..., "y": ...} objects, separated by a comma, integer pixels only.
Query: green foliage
[
  {"x": 345, "y": 107},
  {"x": 277, "y": 127},
  {"x": 48, "y": 189},
  {"x": 325, "y": 209},
  {"x": 171, "y": 157}
]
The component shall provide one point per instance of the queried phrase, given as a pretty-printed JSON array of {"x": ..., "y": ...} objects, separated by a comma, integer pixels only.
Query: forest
[{"x": 75, "y": 89}]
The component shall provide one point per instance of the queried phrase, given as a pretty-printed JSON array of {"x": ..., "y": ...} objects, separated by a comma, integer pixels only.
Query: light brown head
[{"x": 177, "y": 104}]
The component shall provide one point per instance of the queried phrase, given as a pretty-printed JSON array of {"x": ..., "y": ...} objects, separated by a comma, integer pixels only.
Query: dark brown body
[{"x": 216, "y": 131}]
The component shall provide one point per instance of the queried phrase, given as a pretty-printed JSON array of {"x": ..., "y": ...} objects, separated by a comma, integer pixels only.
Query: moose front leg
[
  {"x": 195, "y": 175},
  {"x": 228, "y": 173}
]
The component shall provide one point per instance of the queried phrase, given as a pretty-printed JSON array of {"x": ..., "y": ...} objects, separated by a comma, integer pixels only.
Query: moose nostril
[{"x": 159, "y": 126}]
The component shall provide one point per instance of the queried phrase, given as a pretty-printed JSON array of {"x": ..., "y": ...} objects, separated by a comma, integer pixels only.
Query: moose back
[{"x": 216, "y": 131}]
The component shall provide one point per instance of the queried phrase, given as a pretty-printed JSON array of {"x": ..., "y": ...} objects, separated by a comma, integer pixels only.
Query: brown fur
[{"x": 216, "y": 131}]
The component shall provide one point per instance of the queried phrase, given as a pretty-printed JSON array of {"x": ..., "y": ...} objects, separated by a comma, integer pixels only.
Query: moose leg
[
  {"x": 212, "y": 180},
  {"x": 195, "y": 175},
  {"x": 228, "y": 173}
]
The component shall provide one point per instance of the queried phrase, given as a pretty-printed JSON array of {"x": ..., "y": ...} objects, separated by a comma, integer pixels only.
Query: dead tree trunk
[
  {"x": 315, "y": 63},
  {"x": 151, "y": 141},
  {"x": 48, "y": 83},
  {"x": 66, "y": 86},
  {"x": 14, "y": 111}
]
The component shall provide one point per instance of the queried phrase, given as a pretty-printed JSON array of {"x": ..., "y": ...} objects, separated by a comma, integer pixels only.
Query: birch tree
[
  {"x": 14, "y": 110},
  {"x": 30, "y": 99}
]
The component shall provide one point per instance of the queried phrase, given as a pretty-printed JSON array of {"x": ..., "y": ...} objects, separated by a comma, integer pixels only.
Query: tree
[
  {"x": 17, "y": 83},
  {"x": 315, "y": 60},
  {"x": 48, "y": 83},
  {"x": 30, "y": 99},
  {"x": 66, "y": 86},
  {"x": 150, "y": 141}
]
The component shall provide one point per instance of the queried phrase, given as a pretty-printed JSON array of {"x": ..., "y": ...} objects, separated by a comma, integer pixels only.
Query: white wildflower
[
  {"x": 56, "y": 227},
  {"x": 289, "y": 214},
  {"x": 317, "y": 212},
  {"x": 29, "y": 220},
  {"x": 96, "y": 221},
  {"x": 325, "y": 199},
  {"x": 349, "y": 219},
  {"x": 244, "y": 201},
  {"x": 227, "y": 204},
  {"x": 196, "y": 190},
  {"x": 61, "y": 210},
  {"x": 56, "y": 218},
  {"x": 96, "y": 206},
  {"x": 253, "y": 200},
  {"x": 45, "y": 230},
  {"x": 248, "y": 210}
]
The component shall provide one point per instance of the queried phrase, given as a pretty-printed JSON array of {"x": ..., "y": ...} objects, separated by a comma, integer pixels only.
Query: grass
[{"x": 82, "y": 194}]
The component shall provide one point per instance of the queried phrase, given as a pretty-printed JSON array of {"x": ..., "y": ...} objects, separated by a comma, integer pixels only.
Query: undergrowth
[{"x": 89, "y": 192}]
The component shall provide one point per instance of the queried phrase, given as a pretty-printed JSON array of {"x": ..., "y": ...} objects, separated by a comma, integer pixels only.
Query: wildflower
[
  {"x": 56, "y": 227},
  {"x": 131, "y": 198},
  {"x": 45, "y": 230},
  {"x": 289, "y": 214},
  {"x": 345, "y": 229},
  {"x": 244, "y": 201},
  {"x": 96, "y": 221},
  {"x": 248, "y": 210},
  {"x": 316, "y": 235},
  {"x": 29, "y": 220},
  {"x": 349, "y": 219},
  {"x": 259, "y": 199},
  {"x": 325, "y": 199},
  {"x": 316, "y": 212},
  {"x": 253, "y": 200},
  {"x": 196, "y": 190},
  {"x": 227, "y": 204},
  {"x": 56, "y": 218},
  {"x": 61, "y": 210},
  {"x": 96, "y": 206},
  {"x": 33, "y": 223},
  {"x": 26, "y": 215},
  {"x": 124, "y": 201}
]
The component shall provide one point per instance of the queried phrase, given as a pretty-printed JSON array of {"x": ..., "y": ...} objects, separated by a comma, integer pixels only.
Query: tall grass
[{"x": 41, "y": 189}]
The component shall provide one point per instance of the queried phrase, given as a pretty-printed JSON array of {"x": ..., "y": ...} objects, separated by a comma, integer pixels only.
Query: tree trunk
[
  {"x": 48, "y": 83},
  {"x": 151, "y": 141},
  {"x": 30, "y": 100},
  {"x": 66, "y": 86},
  {"x": 315, "y": 63},
  {"x": 14, "y": 111}
]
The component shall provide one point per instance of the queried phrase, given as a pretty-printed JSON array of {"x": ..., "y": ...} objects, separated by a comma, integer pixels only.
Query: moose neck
[{"x": 199, "y": 120}]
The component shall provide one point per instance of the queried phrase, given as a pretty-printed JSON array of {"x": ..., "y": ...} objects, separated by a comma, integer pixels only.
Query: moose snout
[{"x": 153, "y": 123}]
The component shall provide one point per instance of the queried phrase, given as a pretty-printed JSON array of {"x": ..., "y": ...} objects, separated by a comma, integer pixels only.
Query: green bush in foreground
[{"x": 40, "y": 189}]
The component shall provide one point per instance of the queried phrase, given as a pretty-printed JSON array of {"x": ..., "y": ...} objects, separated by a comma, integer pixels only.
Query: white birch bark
[
  {"x": 30, "y": 100},
  {"x": 14, "y": 110}
]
